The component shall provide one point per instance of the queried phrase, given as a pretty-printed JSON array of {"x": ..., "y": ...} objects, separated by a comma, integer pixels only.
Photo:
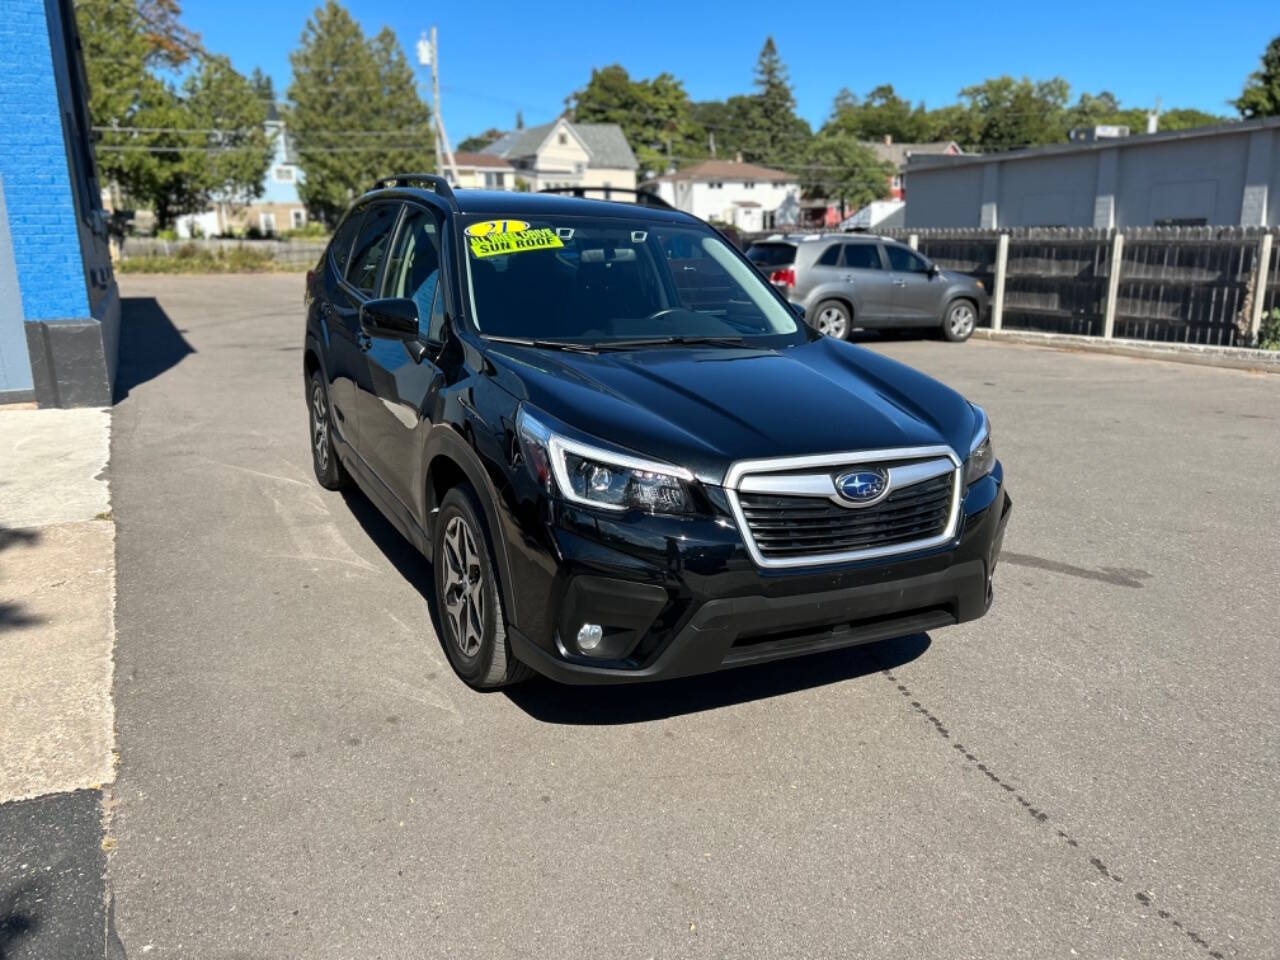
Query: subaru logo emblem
[{"x": 863, "y": 487}]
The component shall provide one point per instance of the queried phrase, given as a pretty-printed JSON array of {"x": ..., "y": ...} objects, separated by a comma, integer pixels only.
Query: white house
[
  {"x": 483, "y": 171},
  {"x": 564, "y": 154},
  {"x": 748, "y": 196}
]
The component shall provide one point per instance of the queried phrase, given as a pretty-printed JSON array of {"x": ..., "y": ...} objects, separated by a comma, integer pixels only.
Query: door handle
[
  {"x": 899, "y": 283},
  {"x": 364, "y": 341},
  {"x": 848, "y": 278}
]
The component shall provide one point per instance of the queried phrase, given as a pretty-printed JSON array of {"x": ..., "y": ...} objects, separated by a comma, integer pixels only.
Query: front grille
[{"x": 791, "y": 527}]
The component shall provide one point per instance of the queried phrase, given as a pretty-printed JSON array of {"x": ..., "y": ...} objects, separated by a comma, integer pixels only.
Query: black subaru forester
[{"x": 625, "y": 454}]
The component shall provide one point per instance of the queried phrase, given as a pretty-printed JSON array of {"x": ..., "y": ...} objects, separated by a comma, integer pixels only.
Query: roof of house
[
  {"x": 604, "y": 141},
  {"x": 1233, "y": 128},
  {"x": 897, "y": 153},
  {"x": 729, "y": 170},
  {"x": 465, "y": 158}
]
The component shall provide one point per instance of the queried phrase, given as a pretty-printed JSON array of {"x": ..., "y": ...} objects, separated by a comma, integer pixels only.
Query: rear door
[
  {"x": 817, "y": 272},
  {"x": 916, "y": 293},
  {"x": 395, "y": 420},
  {"x": 345, "y": 364},
  {"x": 862, "y": 269},
  {"x": 358, "y": 285}
]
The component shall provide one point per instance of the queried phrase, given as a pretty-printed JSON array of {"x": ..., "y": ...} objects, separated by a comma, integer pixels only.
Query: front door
[
  {"x": 861, "y": 269},
  {"x": 397, "y": 414},
  {"x": 916, "y": 292}
]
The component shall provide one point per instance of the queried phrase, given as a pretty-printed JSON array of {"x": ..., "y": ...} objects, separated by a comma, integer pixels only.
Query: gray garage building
[{"x": 1213, "y": 176}]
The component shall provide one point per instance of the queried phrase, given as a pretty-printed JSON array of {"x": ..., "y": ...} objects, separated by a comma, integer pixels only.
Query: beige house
[
  {"x": 482, "y": 171},
  {"x": 744, "y": 195},
  {"x": 564, "y": 154}
]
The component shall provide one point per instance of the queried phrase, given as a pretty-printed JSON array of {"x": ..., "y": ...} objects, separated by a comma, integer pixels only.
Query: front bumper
[{"x": 674, "y": 606}]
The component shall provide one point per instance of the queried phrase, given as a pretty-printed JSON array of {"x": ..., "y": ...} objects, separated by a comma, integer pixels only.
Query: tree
[
  {"x": 263, "y": 86},
  {"x": 838, "y": 167},
  {"x": 1261, "y": 94},
  {"x": 1011, "y": 113},
  {"x": 480, "y": 141},
  {"x": 881, "y": 114},
  {"x": 655, "y": 115},
  {"x": 341, "y": 81},
  {"x": 175, "y": 151},
  {"x": 774, "y": 134}
]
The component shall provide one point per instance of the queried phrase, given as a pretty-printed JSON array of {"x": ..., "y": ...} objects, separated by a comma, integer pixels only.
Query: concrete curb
[{"x": 1234, "y": 358}]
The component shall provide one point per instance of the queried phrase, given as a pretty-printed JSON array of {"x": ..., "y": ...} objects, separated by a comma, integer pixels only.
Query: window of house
[
  {"x": 897, "y": 181},
  {"x": 563, "y": 139},
  {"x": 297, "y": 219},
  {"x": 579, "y": 168},
  {"x": 748, "y": 184},
  {"x": 267, "y": 223},
  {"x": 283, "y": 174},
  {"x": 862, "y": 256},
  {"x": 495, "y": 181},
  {"x": 715, "y": 186}
]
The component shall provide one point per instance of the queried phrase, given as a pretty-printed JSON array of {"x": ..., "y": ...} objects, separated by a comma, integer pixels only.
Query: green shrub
[
  {"x": 191, "y": 259},
  {"x": 1269, "y": 332}
]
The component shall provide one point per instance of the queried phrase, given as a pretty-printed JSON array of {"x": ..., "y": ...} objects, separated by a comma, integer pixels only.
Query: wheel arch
[{"x": 450, "y": 461}]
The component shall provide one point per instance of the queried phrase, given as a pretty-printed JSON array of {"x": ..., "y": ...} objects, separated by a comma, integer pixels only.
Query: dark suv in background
[
  {"x": 624, "y": 454},
  {"x": 845, "y": 281}
]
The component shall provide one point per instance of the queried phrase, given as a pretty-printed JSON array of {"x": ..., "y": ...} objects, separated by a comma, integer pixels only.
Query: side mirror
[
  {"x": 798, "y": 310},
  {"x": 395, "y": 318},
  {"x": 934, "y": 270}
]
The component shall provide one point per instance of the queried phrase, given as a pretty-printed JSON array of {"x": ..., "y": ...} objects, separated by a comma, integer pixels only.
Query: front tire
[
  {"x": 960, "y": 320},
  {"x": 833, "y": 318},
  {"x": 468, "y": 600},
  {"x": 330, "y": 474}
]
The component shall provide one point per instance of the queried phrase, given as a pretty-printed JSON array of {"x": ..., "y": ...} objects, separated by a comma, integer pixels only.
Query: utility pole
[
  {"x": 1153, "y": 118},
  {"x": 429, "y": 55}
]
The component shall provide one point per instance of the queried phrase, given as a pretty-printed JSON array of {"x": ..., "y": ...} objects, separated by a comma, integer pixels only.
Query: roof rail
[
  {"x": 433, "y": 180},
  {"x": 644, "y": 198}
]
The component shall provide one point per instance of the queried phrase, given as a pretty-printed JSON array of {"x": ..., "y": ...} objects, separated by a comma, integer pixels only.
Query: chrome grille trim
[{"x": 763, "y": 477}]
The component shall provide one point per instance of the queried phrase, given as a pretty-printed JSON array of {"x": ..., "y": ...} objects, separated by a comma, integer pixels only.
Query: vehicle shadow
[
  {"x": 14, "y": 614},
  {"x": 150, "y": 344},
  {"x": 551, "y": 702},
  {"x": 16, "y": 923}
]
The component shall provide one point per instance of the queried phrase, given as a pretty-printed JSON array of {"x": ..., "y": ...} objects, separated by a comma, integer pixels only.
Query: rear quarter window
[
  {"x": 340, "y": 246},
  {"x": 772, "y": 254}
]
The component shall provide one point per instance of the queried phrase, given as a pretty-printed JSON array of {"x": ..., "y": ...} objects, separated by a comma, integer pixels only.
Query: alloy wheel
[
  {"x": 832, "y": 322},
  {"x": 960, "y": 320},
  {"x": 320, "y": 426},
  {"x": 464, "y": 595}
]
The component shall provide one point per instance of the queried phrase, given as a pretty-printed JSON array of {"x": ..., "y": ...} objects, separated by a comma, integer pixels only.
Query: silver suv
[{"x": 845, "y": 281}]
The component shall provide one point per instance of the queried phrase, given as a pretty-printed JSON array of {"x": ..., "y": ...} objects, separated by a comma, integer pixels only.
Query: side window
[
  {"x": 343, "y": 237},
  {"x": 862, "y": 256},
  {"x": 905, "y": 260},
  {"x": 829, "y": 256},
  {"x": 366, "y": 256},
  {"x": 413, "y": 270}
]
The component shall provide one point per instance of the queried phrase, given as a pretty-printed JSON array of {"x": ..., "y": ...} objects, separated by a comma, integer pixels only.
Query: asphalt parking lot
[{"x": 1091, "y": 770}]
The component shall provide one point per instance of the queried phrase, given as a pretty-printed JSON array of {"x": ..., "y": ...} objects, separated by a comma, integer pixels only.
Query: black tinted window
[
  {"x": 343, "y": 238},
  {"x": 413, "y": 269},
  {"x": 862, "y": 256},
  {"x": 905, "y": 260},
  {"x": 830, "y": 256},
  {"x": 772, "y": 254},
  {"x": 375, "y": 231}
]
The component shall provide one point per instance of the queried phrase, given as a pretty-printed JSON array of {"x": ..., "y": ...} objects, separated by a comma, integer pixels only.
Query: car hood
[{"x": 706, "y": 407}]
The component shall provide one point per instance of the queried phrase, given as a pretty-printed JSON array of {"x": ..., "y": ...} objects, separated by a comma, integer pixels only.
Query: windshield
[{"x": 596, "y": 280}]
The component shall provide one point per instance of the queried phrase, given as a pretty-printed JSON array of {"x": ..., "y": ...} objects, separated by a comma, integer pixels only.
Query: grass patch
[{"x": 192, "y": 259}]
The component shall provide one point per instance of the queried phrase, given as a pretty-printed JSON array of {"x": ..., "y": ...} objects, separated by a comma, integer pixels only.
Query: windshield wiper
[
  {"x": 668, "y": 341},
  {"x": 542, "y": 344}
]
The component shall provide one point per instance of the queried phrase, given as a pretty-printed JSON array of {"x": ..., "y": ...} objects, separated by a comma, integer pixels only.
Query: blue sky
[{"x": 497, "y": 57}]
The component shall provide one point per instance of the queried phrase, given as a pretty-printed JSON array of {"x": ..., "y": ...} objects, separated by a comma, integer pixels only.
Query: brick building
[{"x": 59, "y": 305}]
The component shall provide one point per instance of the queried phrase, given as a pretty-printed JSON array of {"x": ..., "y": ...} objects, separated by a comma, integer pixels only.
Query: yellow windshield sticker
[
  {"x": 495, "y": 244},
  {"x": 489, "y": 227}
]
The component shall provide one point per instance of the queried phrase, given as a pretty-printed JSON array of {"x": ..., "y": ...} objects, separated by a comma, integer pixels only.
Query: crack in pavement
[{"x": 1144, "y": 897}]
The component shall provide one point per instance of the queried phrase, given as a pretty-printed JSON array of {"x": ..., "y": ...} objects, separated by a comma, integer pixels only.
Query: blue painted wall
[{"x": 43, "y": 221}]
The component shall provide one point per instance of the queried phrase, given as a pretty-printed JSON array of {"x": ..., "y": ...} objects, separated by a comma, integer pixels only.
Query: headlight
[
  {"x": 982, "y": 455},
  {"x": 598, "y": 477}
]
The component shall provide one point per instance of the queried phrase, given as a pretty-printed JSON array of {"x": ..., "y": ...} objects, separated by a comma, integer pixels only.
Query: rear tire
[
  {"x": 468, "y": 600},
  {"x": 960, "y": 320},
  {"x": 833, "y": 318},
  {"x": 330, "y": 474}
]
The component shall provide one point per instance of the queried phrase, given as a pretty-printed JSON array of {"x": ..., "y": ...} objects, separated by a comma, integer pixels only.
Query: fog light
[{"x": 589, "y": 636}]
